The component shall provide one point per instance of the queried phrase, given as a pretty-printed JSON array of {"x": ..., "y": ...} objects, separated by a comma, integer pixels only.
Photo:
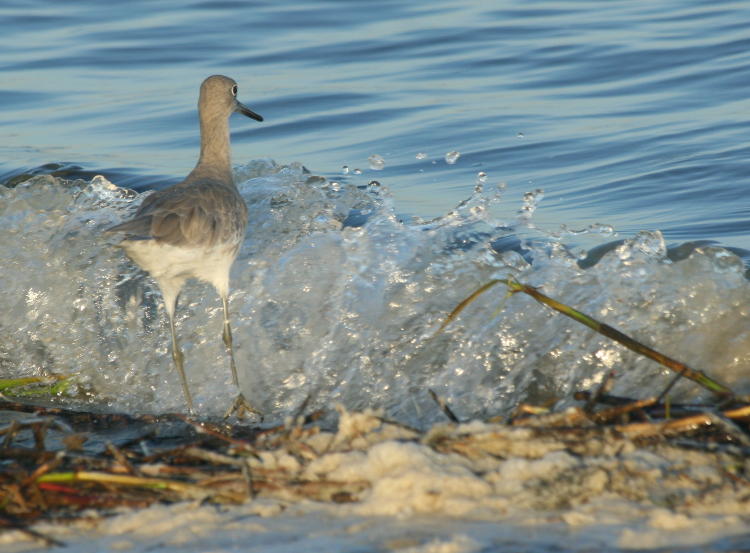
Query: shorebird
[{"x": 194, "y": 229}]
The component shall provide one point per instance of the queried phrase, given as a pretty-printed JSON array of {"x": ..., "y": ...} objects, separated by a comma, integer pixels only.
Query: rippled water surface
[
  {"x": 631, "y": 113},
  {"x": 509, "y": 138}
]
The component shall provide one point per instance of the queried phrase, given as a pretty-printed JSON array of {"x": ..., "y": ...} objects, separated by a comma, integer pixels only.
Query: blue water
[{"x": 630, "y": 113}]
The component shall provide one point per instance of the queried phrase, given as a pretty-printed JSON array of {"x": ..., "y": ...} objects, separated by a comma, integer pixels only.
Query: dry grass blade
[
  {"x": 603, "y": 329},
  {"x": 739, "y": 413},
  {"x": 444, "y": 407},
  {"x": 607, "y": 415},
  {"x": 460, "y": 307},
  {"x": 186, "y": 490},
  {"x": 212, "y": 430},
  {"x": 213, "y": 457}
]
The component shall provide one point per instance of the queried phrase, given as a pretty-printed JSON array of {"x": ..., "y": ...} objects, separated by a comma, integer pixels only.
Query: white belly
[{"x": 167, "y": 263}]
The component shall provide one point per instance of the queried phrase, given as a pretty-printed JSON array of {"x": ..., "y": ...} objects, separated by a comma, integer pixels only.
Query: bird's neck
[{"x": 215, "y": 160}]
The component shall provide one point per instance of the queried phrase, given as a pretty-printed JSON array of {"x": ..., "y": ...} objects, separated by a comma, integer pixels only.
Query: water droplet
[
  {"x": 376, "y": 162},
  {"x": 481, "y": 177},
  {"x": 536, "y": 194},
  {"x": 345, "y": 169},
  {"x": 357, "y": 171},
  {"x": 421, "y": 155},
  {"x": 603, "y": 229},
  {"x": 530, "y": 202},
  {"x": 452, "y": 157}
]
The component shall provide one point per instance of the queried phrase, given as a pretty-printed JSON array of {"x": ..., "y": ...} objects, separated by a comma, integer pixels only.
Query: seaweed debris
[{"x": 58, "y": 466}]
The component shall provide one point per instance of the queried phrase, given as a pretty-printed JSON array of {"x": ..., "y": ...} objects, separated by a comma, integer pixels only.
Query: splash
[{"x": 336, "y": 299}]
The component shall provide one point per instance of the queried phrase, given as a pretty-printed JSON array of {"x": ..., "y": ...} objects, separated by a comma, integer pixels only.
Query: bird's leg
[
  {"x": 179, "y": 358},
  {"x": 226, "y": 335},
  {"x": 170, "y": 291},
  {"x": 240, "y": 406}
]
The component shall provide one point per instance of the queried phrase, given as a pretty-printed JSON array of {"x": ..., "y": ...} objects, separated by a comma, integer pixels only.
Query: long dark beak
[{"x": 244, "y": 110}]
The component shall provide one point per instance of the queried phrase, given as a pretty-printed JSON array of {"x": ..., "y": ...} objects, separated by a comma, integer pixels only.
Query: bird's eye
[{"x": 234, "y": 90}]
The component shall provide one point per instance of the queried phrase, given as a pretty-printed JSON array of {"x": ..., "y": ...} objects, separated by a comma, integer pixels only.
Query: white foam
[{"x": 335, "y": 298}]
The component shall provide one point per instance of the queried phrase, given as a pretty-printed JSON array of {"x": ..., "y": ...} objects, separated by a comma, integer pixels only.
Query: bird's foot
[{"x": 241, "y": 407}]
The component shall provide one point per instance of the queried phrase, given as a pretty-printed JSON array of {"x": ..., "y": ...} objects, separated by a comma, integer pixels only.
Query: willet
[{"x": 195, "y": 228}]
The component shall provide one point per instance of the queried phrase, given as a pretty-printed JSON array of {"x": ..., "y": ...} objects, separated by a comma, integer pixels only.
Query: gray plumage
[
  {"x": 197, "y": 213},
  {"x": 194, "y": 229}
]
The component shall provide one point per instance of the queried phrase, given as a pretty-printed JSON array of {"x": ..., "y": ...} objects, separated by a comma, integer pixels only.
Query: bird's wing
[{"x": 201, "y": 214}]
